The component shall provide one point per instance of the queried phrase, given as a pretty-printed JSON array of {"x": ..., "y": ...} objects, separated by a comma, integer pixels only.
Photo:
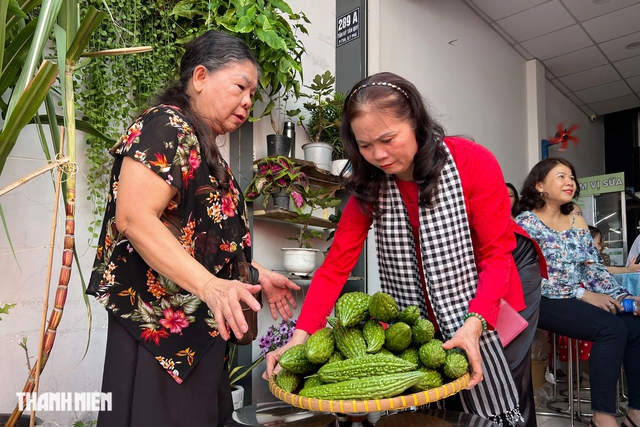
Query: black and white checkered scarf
[{"x": 451, "y": 276}]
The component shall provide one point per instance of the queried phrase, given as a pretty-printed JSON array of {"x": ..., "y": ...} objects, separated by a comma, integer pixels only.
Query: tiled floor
[{"x": 564, "y": 421}]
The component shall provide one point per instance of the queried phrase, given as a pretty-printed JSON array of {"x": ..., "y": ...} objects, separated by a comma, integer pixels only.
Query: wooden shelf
[
  {"x": 317, "y": 176},
  {"x": 282, "y": 215}
]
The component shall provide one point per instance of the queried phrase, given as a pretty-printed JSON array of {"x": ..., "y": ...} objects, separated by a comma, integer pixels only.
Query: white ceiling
[{"x": 586, "y": 46}]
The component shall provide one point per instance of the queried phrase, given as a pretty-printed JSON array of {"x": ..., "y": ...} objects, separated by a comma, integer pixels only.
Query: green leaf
[
  {"x": 270, "y": 37},
  {"x": 26, "y": 107},
  {"x": 46, "y": 19},
  {"x": 4, "y": 5},
  {"x": 5, "y": 309},
  {"x": 14, "y": 56},
  {"x": 239, "y": 372},
  {"x": 14, "y": 9},
  {"x": 82, "y": 126},
  {"x": 6, "y": 232},
  {"x": 89, "y": 24},
  {"x": 283, "y": 6}
]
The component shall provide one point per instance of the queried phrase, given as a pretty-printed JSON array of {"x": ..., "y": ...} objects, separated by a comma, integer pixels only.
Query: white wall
[
  {"x": 588, "y": 156},
  {"x": 476, "y": 83},
  {"x": 28, "y": 211}
]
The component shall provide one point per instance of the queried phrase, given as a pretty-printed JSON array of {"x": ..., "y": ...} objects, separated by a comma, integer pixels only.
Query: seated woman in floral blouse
[{"x": 580, "y": 298}]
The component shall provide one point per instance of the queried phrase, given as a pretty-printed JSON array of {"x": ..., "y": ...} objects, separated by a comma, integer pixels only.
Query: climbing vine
[{"x": 118, "y": 88}]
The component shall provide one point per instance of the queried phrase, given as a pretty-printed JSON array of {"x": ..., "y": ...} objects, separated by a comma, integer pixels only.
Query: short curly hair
[{"x": 530, "y": 197}]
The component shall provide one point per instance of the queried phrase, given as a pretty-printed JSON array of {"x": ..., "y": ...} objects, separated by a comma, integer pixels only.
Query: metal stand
[
  {"x": 574, "y": 410},
  {"x": 572, "y": 394}
]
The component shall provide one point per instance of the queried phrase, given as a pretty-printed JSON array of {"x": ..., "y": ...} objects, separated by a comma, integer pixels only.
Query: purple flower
[
  {"x": 265, "y": 344},
  {"x": 284, "y": 328},
  {"x": 276, "y": 336}
]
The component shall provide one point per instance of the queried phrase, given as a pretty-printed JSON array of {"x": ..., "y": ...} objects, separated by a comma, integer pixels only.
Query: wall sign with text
[
  {"x": 610, "y": 183},
  {"x": 348, "y": 27}
]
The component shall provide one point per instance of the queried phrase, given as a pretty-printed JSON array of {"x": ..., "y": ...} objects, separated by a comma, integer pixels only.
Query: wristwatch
[{"x": 580, "y": 293}]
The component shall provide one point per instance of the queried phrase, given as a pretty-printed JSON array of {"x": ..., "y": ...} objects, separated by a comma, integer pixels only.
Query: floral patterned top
[
  {"x": 573, "y": 261},
  {"x": 212, "y": 226}
]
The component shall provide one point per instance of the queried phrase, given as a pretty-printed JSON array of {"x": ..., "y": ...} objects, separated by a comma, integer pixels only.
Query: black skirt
[{"x": 143, "y": 394}]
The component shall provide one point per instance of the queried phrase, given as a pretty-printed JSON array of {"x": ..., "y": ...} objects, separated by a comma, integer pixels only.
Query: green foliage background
[{"x": 118, "y": 88}]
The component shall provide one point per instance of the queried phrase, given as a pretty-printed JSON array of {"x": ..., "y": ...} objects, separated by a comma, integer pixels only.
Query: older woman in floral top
[{"x": 174, "y": 256}]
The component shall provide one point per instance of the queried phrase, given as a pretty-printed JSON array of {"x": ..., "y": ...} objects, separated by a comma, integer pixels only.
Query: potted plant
[
  {"x": 322, "y": 125},
  {"x": 275, "y": 337},
  {"x": 278, "y": 143},
  {"x": 279, "y": 177},
  {"x": 300, "y": 260}
]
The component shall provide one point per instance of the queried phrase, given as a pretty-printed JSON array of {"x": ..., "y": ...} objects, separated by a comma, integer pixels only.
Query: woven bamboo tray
[{"x": 352, "y": 406}]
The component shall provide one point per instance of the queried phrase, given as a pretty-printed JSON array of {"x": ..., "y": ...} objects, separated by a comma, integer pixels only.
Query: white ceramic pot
[
  {"x": 338, "y": 165},
  {"x": 237, "y": 395},
  {"x": 299, "y": 261},
  {"x": 319, "y": 153}
]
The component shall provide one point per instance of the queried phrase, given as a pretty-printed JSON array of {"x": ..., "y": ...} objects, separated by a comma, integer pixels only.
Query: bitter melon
[
  {"x": 409, "y": 315},
  {"x": 320, "y": 345},
  {"x": 383, "y": 307},
  {"x": 352, "y": 308},
  {"x": 379, "y": 387},
  {"x": 350, "y": 341},
  {"x": 373, "y": 333},
  {"x": 295, "y": 360},
  {"x": 370, "y": 365},
  {"x": 397, "y": 337}
]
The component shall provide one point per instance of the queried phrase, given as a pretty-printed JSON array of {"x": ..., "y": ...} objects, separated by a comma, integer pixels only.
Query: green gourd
[
  {"x": 373, "y": 333},
  {"x": 378, "y": 387},
  {"x": 432, "y": 379},
  {"x": 352, "y": 308},
  {"x": 370, "y": 365},
  {"x": 432, "y": 354},
  {"x": 397, "y": 337},
  {"x": 410, "y": 354},
  {"x": 287, "y": 380},
  {"x": 383, "y": 307},
  {"x": 295, "y": 360},
  {"x": 350, "y": 341},
  {"x": 409, "y": 315},
  {"x": 320, "y": 345},
  {"x": 422, "y": 331},
  {"x": 312, "y": 381},
  {"x": 336, "y": 356}
]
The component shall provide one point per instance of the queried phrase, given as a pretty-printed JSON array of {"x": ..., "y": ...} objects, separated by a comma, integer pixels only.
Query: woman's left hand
[
  {"x": 277, "y": 289},
  {"x": 467, "y": 338}
]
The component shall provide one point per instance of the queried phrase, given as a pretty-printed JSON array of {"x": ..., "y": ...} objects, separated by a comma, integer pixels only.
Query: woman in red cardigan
[{"x": 444, "y": 237}]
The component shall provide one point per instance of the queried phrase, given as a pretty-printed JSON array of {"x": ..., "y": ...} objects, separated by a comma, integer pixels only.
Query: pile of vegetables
[{"x": 370, "y": 350}]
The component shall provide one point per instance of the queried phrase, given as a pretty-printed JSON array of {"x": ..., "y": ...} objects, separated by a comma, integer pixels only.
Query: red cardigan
[{"x": 488, "y": 207}]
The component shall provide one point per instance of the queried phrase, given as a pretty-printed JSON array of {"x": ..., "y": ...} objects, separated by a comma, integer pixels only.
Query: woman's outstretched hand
[
  {"x": 299, "y": 337},
  {"x": 277, "y": 289},
  {"x": 467, "y": 338}
]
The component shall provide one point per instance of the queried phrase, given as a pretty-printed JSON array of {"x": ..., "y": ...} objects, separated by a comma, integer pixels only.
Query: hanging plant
[
  {"x": 263, "y": 27},
  {"x": 119, "y": 88}
]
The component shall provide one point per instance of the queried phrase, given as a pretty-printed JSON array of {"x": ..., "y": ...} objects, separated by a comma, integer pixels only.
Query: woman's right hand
[
  {"x": 223, "y": 298},
  {"x": 299, "y": 337},
  {"x": 632, "y": 267},
  {"x": 602, "y": 301}
]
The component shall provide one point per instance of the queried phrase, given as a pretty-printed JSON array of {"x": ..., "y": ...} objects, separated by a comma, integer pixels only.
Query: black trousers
[
  {"x": 616, "y": 342},
  {"x": 144, "y": 394}
]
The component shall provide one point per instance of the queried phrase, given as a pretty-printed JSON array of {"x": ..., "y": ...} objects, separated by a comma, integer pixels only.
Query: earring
[{"x": 543, "y": 193}]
